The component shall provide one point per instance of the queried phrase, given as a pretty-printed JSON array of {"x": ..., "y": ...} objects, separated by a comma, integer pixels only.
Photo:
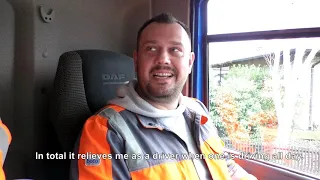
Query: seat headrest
[
  {"x": 85, "y": 81},
  {"x": 103, "y": 72}
]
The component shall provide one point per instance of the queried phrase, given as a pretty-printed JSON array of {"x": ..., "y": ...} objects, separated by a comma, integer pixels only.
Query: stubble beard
[{"x": 163, "y": 95}]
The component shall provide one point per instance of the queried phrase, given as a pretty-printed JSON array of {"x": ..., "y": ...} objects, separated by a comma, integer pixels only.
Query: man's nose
[{"x": 163, "y": 57}]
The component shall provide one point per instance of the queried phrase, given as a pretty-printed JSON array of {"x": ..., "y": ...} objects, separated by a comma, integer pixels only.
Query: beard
[{"x": 163, "y": 93}]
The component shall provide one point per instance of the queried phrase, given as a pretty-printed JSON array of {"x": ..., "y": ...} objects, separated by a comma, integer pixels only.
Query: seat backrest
[{"x": 85, "y": 80}]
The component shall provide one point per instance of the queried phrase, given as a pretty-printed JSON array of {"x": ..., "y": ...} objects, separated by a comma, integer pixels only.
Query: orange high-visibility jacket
[
  {"x": 118, "y": 144},
  {"x": 5, "y": 140}
]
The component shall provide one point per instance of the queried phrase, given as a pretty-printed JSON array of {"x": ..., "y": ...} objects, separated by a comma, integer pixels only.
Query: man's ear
[
  {"x": 135, "y": 59},
  {"x": 191, "y": 60}
]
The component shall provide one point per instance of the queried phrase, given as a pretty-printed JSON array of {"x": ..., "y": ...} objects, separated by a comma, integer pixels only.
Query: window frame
[
  {"x": 200, "y": 39},
  {"x": 244, "y": 36},
  {"x": 257, "y": 35}
]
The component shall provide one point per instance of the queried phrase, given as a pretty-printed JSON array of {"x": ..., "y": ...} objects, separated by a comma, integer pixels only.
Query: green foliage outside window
[{"x": 247, "y": 87}]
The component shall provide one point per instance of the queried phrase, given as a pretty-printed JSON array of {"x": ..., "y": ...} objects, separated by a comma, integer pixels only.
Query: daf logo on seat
[{"x": 113, "y": 78}]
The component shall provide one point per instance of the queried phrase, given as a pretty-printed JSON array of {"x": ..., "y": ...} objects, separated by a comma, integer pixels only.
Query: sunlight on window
[
  {"x": 263, "y": 98},
  {"x": 232, "y": 16}
]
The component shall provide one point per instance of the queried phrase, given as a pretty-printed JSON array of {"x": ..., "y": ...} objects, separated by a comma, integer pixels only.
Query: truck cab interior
[{"x": 60, "y": 61}]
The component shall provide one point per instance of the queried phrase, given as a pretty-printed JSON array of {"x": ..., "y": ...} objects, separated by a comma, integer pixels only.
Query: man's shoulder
[
  {"x": 110, "y": 108},
  {"x": 110, "y": 113},
  {"x": 110, "y": 116},
  {"x": 196, "y": 105}
]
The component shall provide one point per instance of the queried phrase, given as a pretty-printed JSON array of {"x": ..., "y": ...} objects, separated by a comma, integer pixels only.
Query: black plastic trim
[{"x": 259, "y": 35}]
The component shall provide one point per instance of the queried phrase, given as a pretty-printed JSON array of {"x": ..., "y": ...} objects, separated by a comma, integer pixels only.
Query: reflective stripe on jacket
[
  {"x": 5, "y": 140},
  {"x": 131, "y": 146}
]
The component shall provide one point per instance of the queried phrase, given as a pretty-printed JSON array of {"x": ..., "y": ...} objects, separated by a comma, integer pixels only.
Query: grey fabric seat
[{"x": 85, "y": 80}]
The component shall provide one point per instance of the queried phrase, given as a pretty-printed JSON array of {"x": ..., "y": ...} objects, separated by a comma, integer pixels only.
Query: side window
[{"x": 264, "y": 74}]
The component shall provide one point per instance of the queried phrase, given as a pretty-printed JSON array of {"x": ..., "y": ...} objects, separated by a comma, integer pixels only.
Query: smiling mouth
[{"x": 162, "y": 75}]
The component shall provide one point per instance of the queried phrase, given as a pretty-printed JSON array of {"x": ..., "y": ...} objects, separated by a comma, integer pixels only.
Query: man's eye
[
  {"x": 176, "y": 52},
  {"x": 151, "y": 48},
  {"x": 175, "y": 49}
]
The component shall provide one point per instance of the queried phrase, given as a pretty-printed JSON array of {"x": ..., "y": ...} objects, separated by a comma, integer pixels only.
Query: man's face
[{"x": 163, "y": 62}]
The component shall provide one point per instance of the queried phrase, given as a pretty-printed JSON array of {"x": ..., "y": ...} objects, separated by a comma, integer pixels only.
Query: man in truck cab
[
  {"x": 5, "y": 140},
  {"x": 152, "y": 131}
]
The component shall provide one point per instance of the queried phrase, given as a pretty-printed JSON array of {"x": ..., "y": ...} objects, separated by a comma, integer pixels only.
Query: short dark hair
[{"x": 165, "y": 18}]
